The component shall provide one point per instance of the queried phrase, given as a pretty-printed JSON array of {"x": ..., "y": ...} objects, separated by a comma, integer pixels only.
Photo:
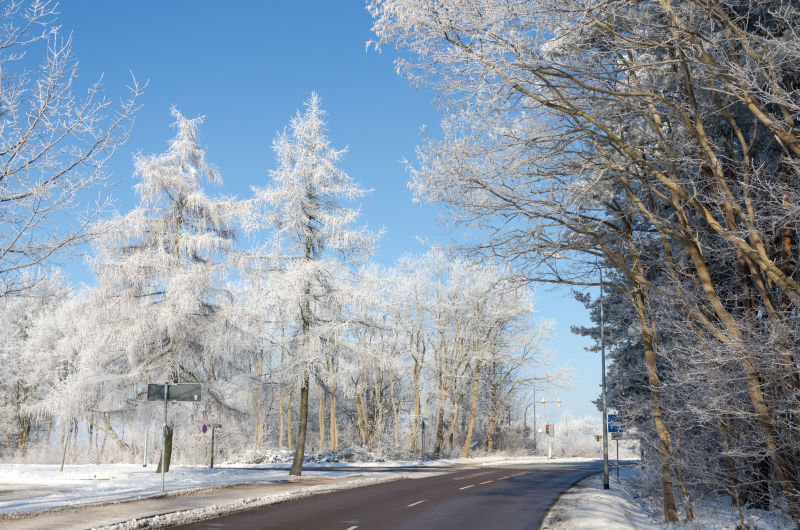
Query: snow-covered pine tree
[
  {"x": 312, "y": 231},
  {"x": 158, "y": 312}
]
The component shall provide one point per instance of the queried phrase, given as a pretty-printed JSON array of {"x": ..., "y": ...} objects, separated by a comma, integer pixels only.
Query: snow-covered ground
[
  {"x": 27, "y": 488},
  {"x": 31, "y": 488},
  {"x": 589, "y": 506}
]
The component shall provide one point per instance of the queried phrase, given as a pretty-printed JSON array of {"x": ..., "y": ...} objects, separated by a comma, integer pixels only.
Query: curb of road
[{"x": 170, "y": 518}]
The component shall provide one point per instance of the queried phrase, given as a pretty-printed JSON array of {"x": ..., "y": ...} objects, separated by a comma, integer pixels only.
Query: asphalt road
[{"x": 477, "y": 497}]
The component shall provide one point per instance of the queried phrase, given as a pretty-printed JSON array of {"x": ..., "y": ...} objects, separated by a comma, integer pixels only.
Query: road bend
[{"x": 507, "y": 497}]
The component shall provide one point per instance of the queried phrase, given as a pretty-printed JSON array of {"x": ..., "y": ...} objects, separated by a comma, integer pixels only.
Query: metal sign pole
[
  {"x": 212, "y": 446},
  {"x": 164, "y": 438},
  {"x": 146, "y": 438}
]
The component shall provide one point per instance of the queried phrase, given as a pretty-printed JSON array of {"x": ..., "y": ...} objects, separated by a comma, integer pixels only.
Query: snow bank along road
[{"x": 487, "y": 497}]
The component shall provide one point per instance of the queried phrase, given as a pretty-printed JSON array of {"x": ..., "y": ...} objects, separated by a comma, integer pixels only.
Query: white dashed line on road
[
  {"x": 486, "y": 482},
  {"x": 465, "y": 487},
  {"x": 418, "y": 502},
  {"x": 351, "y": 528}
]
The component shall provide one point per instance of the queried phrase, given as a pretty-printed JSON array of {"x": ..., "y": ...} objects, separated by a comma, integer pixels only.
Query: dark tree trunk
[{"x": 300, "y": 442}]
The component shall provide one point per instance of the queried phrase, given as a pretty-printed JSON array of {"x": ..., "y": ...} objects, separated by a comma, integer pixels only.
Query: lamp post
[{"x": 603, "y": 361}]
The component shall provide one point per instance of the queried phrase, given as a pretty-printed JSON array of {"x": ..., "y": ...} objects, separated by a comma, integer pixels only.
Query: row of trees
[
  {"x": 654, "y": 145},
  {"x": 271, "y": 330}
]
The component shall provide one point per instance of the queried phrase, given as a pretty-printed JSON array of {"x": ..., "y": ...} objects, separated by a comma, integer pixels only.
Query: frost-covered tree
[
  {"x": 312, "y": 234},
  {"x": 27, "y": 371},
  {"x": 54, "y": 145},
  {"x": 159, "y": 312},
  {"x": 646, "y": 135}
]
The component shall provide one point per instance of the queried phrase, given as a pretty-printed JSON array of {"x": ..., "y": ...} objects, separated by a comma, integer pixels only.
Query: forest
[
  {"x": 270, "y": 302},
  {"x": 645, "y": 150}
]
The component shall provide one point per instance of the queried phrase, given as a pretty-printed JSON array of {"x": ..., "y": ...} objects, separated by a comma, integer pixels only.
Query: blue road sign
[{"x": 611, "y": 427}]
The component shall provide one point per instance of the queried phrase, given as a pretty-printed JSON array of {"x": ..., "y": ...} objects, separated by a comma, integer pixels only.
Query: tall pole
[
  {"x": 211, "y": 464},
  {"x": 535, "y": 434},
  {"x": 164, "y": 438},
  {"x": 146, "y": 438},
  {"x": 603, "y": 360}
]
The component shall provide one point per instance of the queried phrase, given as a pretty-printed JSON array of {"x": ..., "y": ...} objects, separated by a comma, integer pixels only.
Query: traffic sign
[
  {"x": 616, "y": 435},
  {"x": 204, "y": 428},
  {"x": 611, "y": 425},
  {"x": 177, "y": 392}
]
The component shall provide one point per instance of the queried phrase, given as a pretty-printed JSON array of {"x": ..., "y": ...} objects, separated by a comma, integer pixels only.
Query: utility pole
[{"x": 603, "y": 360}]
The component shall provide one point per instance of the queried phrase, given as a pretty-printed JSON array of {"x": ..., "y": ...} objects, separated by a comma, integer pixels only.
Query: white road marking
[
  {"x": 486, "y": 482},
  {"x": 418, "y": 502},
  {"x": 351, "y": 528},
  {"x": 465, "y": 487},
  {"x": 503, "y": 478}
]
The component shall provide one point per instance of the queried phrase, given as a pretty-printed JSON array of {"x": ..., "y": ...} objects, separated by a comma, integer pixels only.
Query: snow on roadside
[
  {"x": 588, "y": 506},
  {"x": 30, "y": 488},
  {"x": 27, "y": 488}
]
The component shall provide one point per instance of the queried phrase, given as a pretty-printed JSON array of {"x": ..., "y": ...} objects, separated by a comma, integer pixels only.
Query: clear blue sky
[{"x": 247, "y": 68}]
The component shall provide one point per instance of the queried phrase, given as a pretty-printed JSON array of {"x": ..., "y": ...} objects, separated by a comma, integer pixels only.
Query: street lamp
[{"x": 603, "y": 361}]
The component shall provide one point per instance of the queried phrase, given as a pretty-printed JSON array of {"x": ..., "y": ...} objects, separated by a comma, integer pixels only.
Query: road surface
[{"x": 485, "y": 497}]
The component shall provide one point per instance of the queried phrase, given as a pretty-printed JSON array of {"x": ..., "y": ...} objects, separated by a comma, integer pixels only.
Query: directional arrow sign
[{"x": 177, "y": 392}]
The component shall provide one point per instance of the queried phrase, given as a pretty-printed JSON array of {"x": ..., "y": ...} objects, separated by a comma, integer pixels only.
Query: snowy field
[
  {"x": 32, "y": 488},
  {"x": 588, "y": 506}
]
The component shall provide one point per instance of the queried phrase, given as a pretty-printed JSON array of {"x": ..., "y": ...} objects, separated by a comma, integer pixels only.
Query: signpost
[
  {"x": 167, "y": 393},
  {"x": 616, "y": 434}
]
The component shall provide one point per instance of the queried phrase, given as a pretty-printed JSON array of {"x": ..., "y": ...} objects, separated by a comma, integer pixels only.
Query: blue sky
[{"x": 248, "y": 68}]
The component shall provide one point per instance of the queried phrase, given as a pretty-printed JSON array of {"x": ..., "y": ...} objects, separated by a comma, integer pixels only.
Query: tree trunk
[
  {"x": 361, "y": 413},
  {"x": 300, "y": 442},
  {"x": 474, "y": 412},
  {"x": 687, "y": 502},
  {"x": 417, "y": 408},
  {"x": 394, "y": 412},
  {"x": 437, "y": 450},
  {"x": 280, "y": 421},
  {"x": 490, "y": 435},
  {"x": 289, "y": 399},
  {"x": 321, "y": 396},
  {"x": 452, "y": 433},
  {"x": 65, "y": 442},
  {"x": 664, "y": 445},
  {"x": 334, "y": 434}
]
